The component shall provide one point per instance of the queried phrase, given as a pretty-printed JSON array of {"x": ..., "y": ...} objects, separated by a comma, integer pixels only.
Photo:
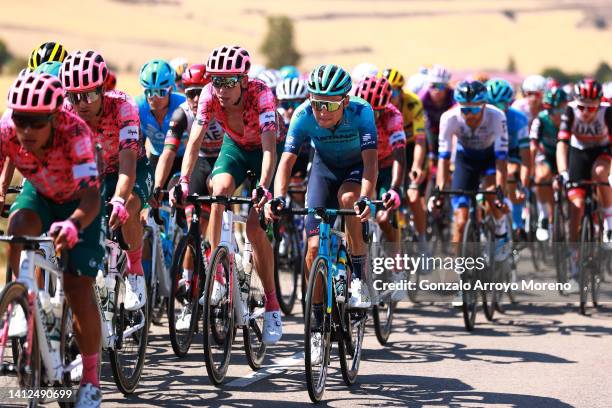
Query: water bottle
[
  {"x": 50, "y": 318},
  {"x": 341, "y": 276},
  {"x": 247, "y": 266},
  {"x": 101, "y": 284}
]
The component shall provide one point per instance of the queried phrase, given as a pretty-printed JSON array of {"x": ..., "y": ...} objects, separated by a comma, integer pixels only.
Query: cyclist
[
  {"x": 413, "y": 115},
  {"x": 482, "y": 151},
  {"x": 533, "y": 89},
  {"x": 53, "y": 150},
  {"x": 271, "y": 77},
  {"x": 543, "y": 140},
  {"x": 246, "y": 110},
  {"x": 179, "y": 65},
  {"x": 113, "y": 118},
  {"x": 156, "y": 107},
  {"x": 289, "y": 72},
  {"x": 417, "y": 81},
  {"x": 500, "y": 94},
  {"x": 437, "y": 98},
  {"x": 362, "y": 70},
  {"x": 48, "y": 51},
  {"x": 584, "y": 135},
  {"x": 344, "y": 168}
]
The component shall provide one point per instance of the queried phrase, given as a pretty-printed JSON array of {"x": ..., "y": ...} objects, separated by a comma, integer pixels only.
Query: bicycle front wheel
[
  {"x": 287, "y": 265},
  {"x": 252, "y": 333},
  {"x": 469, "y": 248},
  {"x": 585, "y": 261},
  {"x": 560, "y": 245}
]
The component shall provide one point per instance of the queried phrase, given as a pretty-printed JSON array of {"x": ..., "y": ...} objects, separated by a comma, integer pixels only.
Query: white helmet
[
  {"x": 179, "y": 65},
  {"x": 271, "y": 77},
  {"x": 534, "y": 83},
  {"x": 291, "y": 88},
  {"x": 256, "y": 70},
  {"x": 360, "y": 71},
  {"x": 417, "y": 82},
  {"x": 607, "y": 90},
  {"x": 438, "y": 74}
]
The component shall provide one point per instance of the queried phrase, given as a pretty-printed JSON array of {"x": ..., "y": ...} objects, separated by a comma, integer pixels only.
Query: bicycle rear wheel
[
  {"x": 218, "y": 318},
  {"x": 491, "y": 273},
  {"x": 287, "y": 264},
  {"x": 252, "y": 333},
  {"x": 317, "y": 331},
  {"x": 469, "y": 248}
]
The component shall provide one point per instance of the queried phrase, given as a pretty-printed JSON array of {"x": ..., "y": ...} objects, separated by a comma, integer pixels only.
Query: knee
[
  {"x": 311, "y": 253},
  {"x": 24, "y": 222},
  {"x": 601, "y": 173},
  {"x": 347, "y": 199}
]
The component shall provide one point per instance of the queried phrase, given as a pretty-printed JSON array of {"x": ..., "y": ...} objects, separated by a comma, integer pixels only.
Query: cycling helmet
[
  {"x": 49, "y": 67},
  {"x": 552, "y": 83},
  {"x": 289, "y": 71},
  {"x": 83, "y": 71},
  {"x": 228, "y": 60},
  {"x": 534, "y": 83},
  {"x": 588, "y": 90},
  {"x": 36, "y": 93},
  {"x": 395, "y": 78},
  {"x": 156, "y": 74},
  {"x": 195, "y": 76},
  {"x": 438, "y": 74},
  {"x": 49, "y": 51},
  {"x": 111, "y": 81},
  {"x": 360, "y": 71},
  {"x": 256, "y": 70},
  {"x": 179, "y": 65},
  {"x": 499, "y": 91},
  {"x": 554, "y": 97},
  {"x": 470, "y": 92},
  {"x": 329, "y": 80},
  {"x": 375, "y": 90},
  {"x": 270, "y": 77},
  {"x": 416, "y": 82},
  {"x": 291, "y": 88}
]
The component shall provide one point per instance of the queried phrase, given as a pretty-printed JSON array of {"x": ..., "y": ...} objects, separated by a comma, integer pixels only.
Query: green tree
[
  {"x": 5, "y": 54},
  {"x": 14, "y": 65},
  {"x": 278, "y": 46},
  {"x": 603, "y": 73},
  {"x": 511, "y": 67}
]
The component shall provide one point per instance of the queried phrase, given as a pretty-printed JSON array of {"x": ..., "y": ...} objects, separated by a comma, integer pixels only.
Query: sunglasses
[
  {"x": 471, "y": 110},
  {"x": 192, "y": 93},
  {"x": 157, "y": 92},
  {"x": 88, "y": 97},
  {"x": 31, "y": 121},
  {"x": 587, "y": 108},
  {"x": 440, "y": 86},
  {"x": 501, "y": 105},
  {"x": 330, "y": 106},
  {"x": 290, "y": 104},
  {"x": 531, "y": 93},
  {"x": 395, "y": 93},
  {"x": 225, "y": 81}
]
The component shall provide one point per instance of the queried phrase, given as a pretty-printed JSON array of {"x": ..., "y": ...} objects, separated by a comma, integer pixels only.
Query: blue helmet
[
  {"x": 329, "y": 80},
  {"x": 156, "y": 74},
  {"x": 499, "y": 91},
  {"x": 289, "y": 71},
  {"x": 49, "y": 67},
  {"x": 470, "y": 92}
]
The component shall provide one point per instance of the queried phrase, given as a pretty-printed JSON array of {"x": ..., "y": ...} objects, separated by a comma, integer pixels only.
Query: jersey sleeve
[
  {"x": 395, "y": 130},
  {"x": 522, "y": 133},
  {"x": 176, "y": 129},
  {"x": 445, "y": 136},
  {"x": 84, "y": 169},
  {"x": 608, "y": 122},
  {"x": 5, "y": 130},
  {"x": 266, "y": 107},
  {"x": 368, "y": 135},
  {"x": 297, "y": 134},
  {"x": 205, "y": 107},
  {"x": 565, "y": 128},
  {"x": 129, "y": 126},
  {"x": 500, "y": 129},
  {"x": 536, "y": 130},
  {"x": 418, "y": 122}
]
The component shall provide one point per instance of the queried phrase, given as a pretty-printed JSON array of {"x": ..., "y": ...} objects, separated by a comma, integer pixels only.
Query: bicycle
[
  {"x": 478, "y": 241},
  {"x": 40, "y": 356},
  {"x": 337, "y": 322}
]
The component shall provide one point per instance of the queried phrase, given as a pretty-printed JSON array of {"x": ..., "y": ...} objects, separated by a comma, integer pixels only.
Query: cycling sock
[
  {"x": 500, "y": 226},
  {"x": 542, "y": 210},
  {"x": 517, "y": 216},
  {"x": 135, "y": 262},
  {"x": 359, "y": 265},
  {"x": 90, "y": 370},
  {"x": 608, "y": 215},
  {"x": 187, "y": 274},
  {"x": 271, "y": 301}
]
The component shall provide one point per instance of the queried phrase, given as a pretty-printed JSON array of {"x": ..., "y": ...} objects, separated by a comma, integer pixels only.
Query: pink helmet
[
  {"x": 375, "y": 90},
  {"x": 83, "y": 71},
  {"x": 228, "y": 60},
  {"x": 37, "y": 93}
]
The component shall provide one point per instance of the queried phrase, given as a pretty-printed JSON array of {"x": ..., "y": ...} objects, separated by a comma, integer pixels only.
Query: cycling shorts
[
  {"x": 176, "y": 167},
  {"x": 142, "y": 186},
  {"x": 467, "y": 174}
]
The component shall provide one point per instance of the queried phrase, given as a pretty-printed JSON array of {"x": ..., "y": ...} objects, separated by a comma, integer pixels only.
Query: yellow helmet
[
  {"x": 395, "y": 78},
  {"x": 48, "y": 51}
]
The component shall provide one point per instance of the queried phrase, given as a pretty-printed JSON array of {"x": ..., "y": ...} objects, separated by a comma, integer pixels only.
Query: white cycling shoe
[
  {"x": 399, "y": 294},
  {"x": 135, "y": 292},
  {"x": 316, "y": 349},
  {"x": 360, "y": 295},
  {"x": 574, "y": 287},
  {"x": 18, "y": 326},
  {"x": 218, "y": 293},
  {"x": 542, "y": 234},
  {"x": 89, "y": 396},
  {"x": 272, "y": 327},
  {"x": 458, "y": 299},
  {"x": 184, "y": 321}
]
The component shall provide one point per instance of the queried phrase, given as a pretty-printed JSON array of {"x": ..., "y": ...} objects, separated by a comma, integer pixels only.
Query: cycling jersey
[
  {"x": 68, "y": 165},
  {"x": 117, "y": 129},
  {"x": 544, "y": 131},
  {"x": 522, "y": 105},
  {"x": 391, "y": 136},
  {"x": 151, "y": 129},
  {"x": 181, "y": 122},
  {"x": 341, "y": 146},
  {"x": 412, "y": 111},
  {"x": 492, "y": 131},
  {"x": 582, "y": 135},
  {"x": 518, "y": 133},
  {"x": 259, "y": 115},
  {"x": 433, "y": 113}
]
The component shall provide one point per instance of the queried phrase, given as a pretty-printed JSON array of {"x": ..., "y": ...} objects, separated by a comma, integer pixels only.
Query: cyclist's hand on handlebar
[
  {"x": 500, "y": 200},
  {"x": 521, "y": 194},
  {"x": 120, "y": 215},
  {"x": 435, "y": 202},
  {"x": 417, "y": 175},
  {"x": 65, "y": 235},
  {"x": 363, "y": 203},
  {"x": 260, "y": 196},
  {"x": 179, "y": 192},
  {"x": 273, "y": 207},
  {"x": 392, "y": 199},
  {"x": 155, "y": 199}
]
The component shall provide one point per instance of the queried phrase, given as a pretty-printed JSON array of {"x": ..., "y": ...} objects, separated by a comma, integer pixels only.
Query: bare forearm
[
  {"x": 562, "y": 156},
  {"x": 268, "y": 163},
  {"x": 283, "y": 173},
  {"x": 442, "y": 171},
  {"x": 525, "y": 167},
  {"x": 164, "y": 167},
  {"x": 191, "y": 150},
  {"x": 7, "y": 175},
  {"x": 89, "y": 207},
  {"x": 127, "y": 174},
  {"x": 398, "y": 169},
  {"x": 419, "y": 155},
  {"x": 501, "y": 173}
]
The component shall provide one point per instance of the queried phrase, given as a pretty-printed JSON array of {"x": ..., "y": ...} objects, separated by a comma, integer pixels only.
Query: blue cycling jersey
[
  {"x": 518, "y": 129},
  {"x": 150, "y": 128},
  {"x": 338, "y": 147}
]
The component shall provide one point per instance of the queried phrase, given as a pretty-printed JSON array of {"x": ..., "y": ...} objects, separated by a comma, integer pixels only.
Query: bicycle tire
[
  {"x": 584, "y": 262},
  {"x": 490, "y": 274},
  {"x": 252, "y": 333},
  {"x": 560, "y": 245},
  {"x": 469, "y": 304},
  {"x": 291, "y": 263}
]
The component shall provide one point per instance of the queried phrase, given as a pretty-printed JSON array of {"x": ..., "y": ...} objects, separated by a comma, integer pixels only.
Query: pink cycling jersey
[
  {"x": 68, "y": 164},
  {"x": 259, "y": 114},
  {"x": 391, "y": 135},
  {"x": 118, "y": 128}
]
